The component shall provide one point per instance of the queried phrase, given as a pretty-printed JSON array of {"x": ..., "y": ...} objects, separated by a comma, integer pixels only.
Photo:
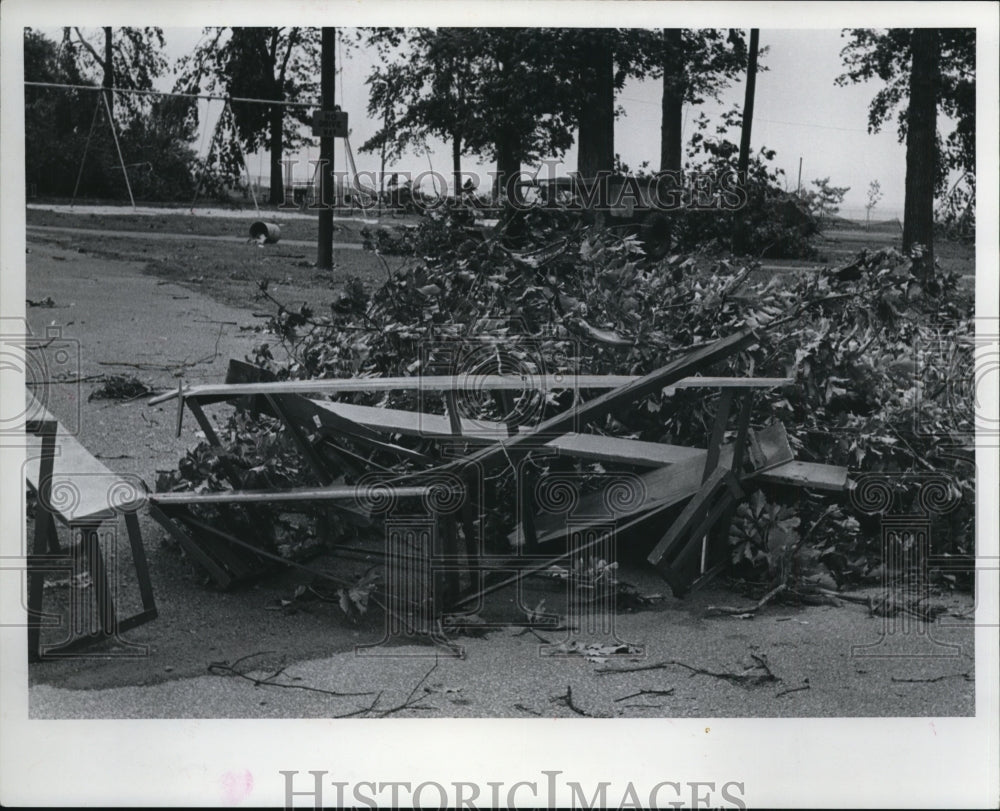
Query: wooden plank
[
  {"x": 590, "y": 447},
  {"x": 341, "y": 422},
  {"x": 524, "y": 571},
  {"x": 807, "y": 474},
  {"x": 443, "y": 383},
  {"x": 439, "y": 383},
  {"x": 703, "y": 504},
  {"x": 684, "y": 366},
  {"x": 75, "y": 473},
  {"x": 180, "y": 534},
  {"x": 333, "y": 493},
  {"x": 682, "y": 569},
  {"x": 413, "y": 423},
  {"x": 319, "y": 469},
  {"x": 664, "y": 486},
  {"x": 140, "y": 563},
  {"x": 596, "y": 448},
  {"x": 718, "y": 433},
  {"x": 742, "y": 430}
]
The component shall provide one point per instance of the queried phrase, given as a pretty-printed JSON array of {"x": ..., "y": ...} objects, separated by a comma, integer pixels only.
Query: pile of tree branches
[{"x": 560, "y": 297}]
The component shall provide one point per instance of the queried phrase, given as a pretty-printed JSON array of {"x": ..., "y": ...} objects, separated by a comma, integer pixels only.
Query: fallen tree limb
[
  {"x": 669, "y": 692},
  {"x": 742, "y": 679},
  {"x": 567, "y": 700},
  {"x": 805, "y": 686},
  {"x": 748, "y": 612}
]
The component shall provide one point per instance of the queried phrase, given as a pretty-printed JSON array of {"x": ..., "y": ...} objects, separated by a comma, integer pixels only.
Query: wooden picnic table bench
[
  {"x": 712, "y": 479},
  {"x": 76, "y": 489}
]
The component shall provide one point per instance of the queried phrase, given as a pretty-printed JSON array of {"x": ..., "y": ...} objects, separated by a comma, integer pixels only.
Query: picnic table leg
[
  {"x": 452, "y": 577},
  {"x": 718, "y": 432},
  {"x": 731, "y": 493},
  {"x": 715, "y": 447},
  {"x": 526, "y": 503},
  {"x": 301, "y": 440},
  {"x": 742, "y": 429},
  {"x": 216, "y": 572},
  {"x": 469, "y": 506},
  {"x": 721, "y": 529},
  {"x": 454, "y": 417},
  {"x": 203, "y": 422},
  {"x": 90, "y": 546},
  {"x": 45, "y": 543},
  {"x": 141, "y": 566}
]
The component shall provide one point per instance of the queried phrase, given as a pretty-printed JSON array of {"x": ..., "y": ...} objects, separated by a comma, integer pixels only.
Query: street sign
[{"x": 329, "y": 123}]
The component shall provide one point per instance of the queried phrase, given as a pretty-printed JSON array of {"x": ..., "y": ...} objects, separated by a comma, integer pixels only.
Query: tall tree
[
  {"x": 592, "y": 65},
  {"x": 423, "y": 87},
  {"x": 489, "y": 92},
  {"x": 127, "y": 58},
  {"x": 279, "y": 64},
  {"x": 925, "y": 72},
  {"x": 595, "y": 114},
  {"x": 672, "y": 101},
  {"x": 921, "y": 144},
  {"x": 154, "y": 132},
  {"x": 694, "y": 65}
]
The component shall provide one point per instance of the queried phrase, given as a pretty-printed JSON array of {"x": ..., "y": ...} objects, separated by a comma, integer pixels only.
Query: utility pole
[
  {"x": 798, "y": 185},
  {"x": 328, "y": 77}
]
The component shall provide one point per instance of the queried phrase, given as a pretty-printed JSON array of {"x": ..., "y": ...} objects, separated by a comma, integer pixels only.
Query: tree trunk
[
  {"x": 109, "y": 70},
  {"x": 277, "y": 194},
  {"x": 596, "y": 139},
  {"x": 744, "y": 160},
  {"x": 672, "y": 118},
  {"x": 921, "y": 146},
  {"x": 505, "y": 191},
  {"x": 456, "y": 164}
]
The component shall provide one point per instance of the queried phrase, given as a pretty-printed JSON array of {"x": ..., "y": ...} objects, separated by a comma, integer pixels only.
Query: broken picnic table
[
  {"x": 714, "y": 479},
  {"x": 73, "y": 487}
]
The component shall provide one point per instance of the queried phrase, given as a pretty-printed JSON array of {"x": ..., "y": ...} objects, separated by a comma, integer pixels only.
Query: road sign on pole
[{"x": 329, "y": 124}]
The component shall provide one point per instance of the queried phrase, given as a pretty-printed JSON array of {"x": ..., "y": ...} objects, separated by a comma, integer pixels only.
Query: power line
[
  {"x": 757, "y": 118},
  {"x": 817, "y": 126},
  {"x": 209, "y": 96}
]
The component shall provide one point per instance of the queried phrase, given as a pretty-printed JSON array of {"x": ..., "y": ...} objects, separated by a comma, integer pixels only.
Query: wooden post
[{"x": 328, "y": 76}]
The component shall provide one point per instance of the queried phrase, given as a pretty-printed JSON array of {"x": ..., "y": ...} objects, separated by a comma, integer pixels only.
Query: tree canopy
[
  {"x": 279, "y": 64},
  {"x": 154, "y": 133},
  {"x": 136, "y": 58},
  {"x": 886, "y": 54}
]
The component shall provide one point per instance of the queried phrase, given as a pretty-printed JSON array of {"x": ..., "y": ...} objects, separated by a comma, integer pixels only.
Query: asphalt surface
[{"x": 788, "y": 662}]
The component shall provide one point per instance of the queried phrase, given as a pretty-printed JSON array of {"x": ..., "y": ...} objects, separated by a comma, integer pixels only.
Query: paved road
[{"x": 305, "y": 243}]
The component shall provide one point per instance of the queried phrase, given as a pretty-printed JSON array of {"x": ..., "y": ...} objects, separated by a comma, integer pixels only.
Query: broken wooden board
[
  {"x": 591, "y": 447},
  {"x": 444, "y": 383},
  {"x": 612, "y": 450},
  {"x": 688, "y": 364},
  {"x": 813, "y": 475},
  {"x": 661, "y": 487},
  {"x": 429, "y": 383},
  {"x": 83, "y": 489},
  {"x": 676, "y": 555},
  {"x": 353, "y": 493}
]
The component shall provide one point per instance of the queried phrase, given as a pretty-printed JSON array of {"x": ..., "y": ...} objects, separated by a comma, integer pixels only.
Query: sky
[{"x": 799, "y": 113}]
